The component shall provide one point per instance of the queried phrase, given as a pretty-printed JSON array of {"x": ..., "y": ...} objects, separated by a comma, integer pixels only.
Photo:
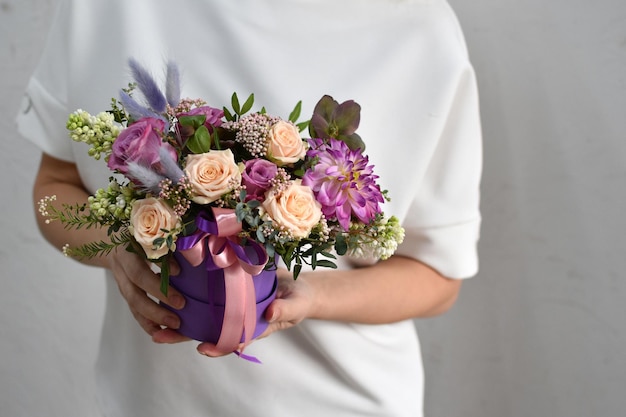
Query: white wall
[
  {"x": 50, "y": 306},
  {"x": 540, "y": 331}
]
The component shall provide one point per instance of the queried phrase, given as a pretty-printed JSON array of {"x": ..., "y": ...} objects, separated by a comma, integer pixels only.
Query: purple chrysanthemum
[{"x": 343, "y": 182}]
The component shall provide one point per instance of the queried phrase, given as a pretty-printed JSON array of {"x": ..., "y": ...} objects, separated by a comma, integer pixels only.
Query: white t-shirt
[{"x": 405, "y": 62}]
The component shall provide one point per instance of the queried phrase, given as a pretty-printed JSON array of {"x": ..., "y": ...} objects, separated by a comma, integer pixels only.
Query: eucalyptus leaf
[
  {"x": 260, "y": 237},
  {"x": 200, "y": 142},
  {"x": 341, "y": 247},
  {"x": 192, "y": 121}
]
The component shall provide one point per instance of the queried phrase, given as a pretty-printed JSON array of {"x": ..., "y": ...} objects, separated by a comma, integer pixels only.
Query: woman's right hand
[{"x": 140, "y": 286}]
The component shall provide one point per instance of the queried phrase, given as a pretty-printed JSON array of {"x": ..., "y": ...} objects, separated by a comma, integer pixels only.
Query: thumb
[{"x": 273, "y": 312}]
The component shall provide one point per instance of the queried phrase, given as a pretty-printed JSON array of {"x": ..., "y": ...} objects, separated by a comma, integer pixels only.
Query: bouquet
[{"x": 209, "y": 183}]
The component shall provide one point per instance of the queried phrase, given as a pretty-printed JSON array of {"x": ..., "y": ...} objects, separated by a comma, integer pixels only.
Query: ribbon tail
[
  {"x": 234, "y": 309},
  {"x": 249, "y": 358},
  {"x": 250, "y": 311}
]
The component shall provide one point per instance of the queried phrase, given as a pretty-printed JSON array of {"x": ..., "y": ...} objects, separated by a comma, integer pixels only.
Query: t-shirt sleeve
[
  {"x": 442, "y": 228},
  {"x": 44, "y": 111}
]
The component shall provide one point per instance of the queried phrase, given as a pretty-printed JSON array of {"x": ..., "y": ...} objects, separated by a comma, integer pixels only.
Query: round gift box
[{"x": 204, "y": 290}]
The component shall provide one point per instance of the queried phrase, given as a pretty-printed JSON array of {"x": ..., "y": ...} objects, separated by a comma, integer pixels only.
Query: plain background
[{"x": 539, "y": 332}]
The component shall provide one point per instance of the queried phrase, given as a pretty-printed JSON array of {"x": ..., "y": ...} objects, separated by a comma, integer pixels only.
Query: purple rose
[
  {"x": 140, "y": 143},
  {"x": 257, "y": 177},
  {"x": 213, "y": 116}
]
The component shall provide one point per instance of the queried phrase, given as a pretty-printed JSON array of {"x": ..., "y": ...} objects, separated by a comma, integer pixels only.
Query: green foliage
[
  {"x": 238, "y": 110},
  {"x": 165, "y": 274},
  {"x": 295, "y": 113},
  {"x": 100, "y": 248}
]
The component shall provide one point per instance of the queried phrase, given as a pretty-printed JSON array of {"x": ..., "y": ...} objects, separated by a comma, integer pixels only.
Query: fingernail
[
  {"x": 171, "y": 322},
  {"x": 176, "y": 301},
  {"x": 273, "y": 317}
]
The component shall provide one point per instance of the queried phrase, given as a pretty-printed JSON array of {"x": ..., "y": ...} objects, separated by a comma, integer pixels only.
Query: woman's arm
[
  {"x": 396, "y": 289},
  {"x": 133, "y": 275}
]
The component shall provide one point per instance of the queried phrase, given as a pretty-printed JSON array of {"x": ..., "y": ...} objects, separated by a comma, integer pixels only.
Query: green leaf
[
  {"x": 216, "y": 140},
  {"x": 200, "y": 142},
  {"x": 287, "y": 258},
  {"x": 165, "y": 275},
  {"x": 234, "y": 101},
  {"x": 341, "y": 247},
  {"x": 296, "y": 270},
  {"x": 247, "y": 105},
  {"x": 260, "y": 237},
  {"x": 295, "y": 113},
  {"x": 326, "y": 264},
  {"x": 228, "y": 115},
  {"x": 303, "y": 125},
  {"x": 192, "y": 121}
]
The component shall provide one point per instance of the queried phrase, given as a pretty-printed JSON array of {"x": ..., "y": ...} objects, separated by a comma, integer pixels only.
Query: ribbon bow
[{"x": 218, "y": 234}]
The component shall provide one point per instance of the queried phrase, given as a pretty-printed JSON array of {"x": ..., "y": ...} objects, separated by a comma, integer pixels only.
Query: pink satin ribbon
[{"x": 219, "y": 235}]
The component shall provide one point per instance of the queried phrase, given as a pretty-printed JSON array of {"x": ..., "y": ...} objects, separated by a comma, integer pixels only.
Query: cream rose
[
  {"x": 148, "y": 218},
  {"x": 295, "y": 209},
  {"x": 212, "y": 175},
  {"x": 285, "y": 144}
]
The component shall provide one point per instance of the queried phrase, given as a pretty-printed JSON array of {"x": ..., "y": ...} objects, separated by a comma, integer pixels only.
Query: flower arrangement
[{"x": 176, "y": 159}]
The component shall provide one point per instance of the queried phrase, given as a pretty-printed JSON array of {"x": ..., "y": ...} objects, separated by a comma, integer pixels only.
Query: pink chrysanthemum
[{"x": 343, "y": 182}]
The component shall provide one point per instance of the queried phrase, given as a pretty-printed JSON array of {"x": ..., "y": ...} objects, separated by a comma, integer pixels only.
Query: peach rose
[
  {"x": 294, "y": 209},
  {"x": 285, "y": 144},
  {"x": 212, "y": 175},
  {"x": 148, "y": 218}
]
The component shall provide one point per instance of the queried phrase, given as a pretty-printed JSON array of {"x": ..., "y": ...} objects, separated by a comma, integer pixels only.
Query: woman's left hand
[{"x": 294, "y": 299}]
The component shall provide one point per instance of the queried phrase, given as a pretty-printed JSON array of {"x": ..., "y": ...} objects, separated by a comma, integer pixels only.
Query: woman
[{"x": 341, "y": 342}]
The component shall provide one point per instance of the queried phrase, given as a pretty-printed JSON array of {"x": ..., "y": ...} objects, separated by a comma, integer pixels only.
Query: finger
[
  {"x": 211, "y": 350},
  {"x": 144, "y": 306},
  {"x": 174, "y": 267},
  {"x": 168, "y": 336},
  {"x": 139, "y": 273},
  {"x": 280, "y": 315},
  {"x": 148, "y": 326},
  {"x": 150, "y": 282}
]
